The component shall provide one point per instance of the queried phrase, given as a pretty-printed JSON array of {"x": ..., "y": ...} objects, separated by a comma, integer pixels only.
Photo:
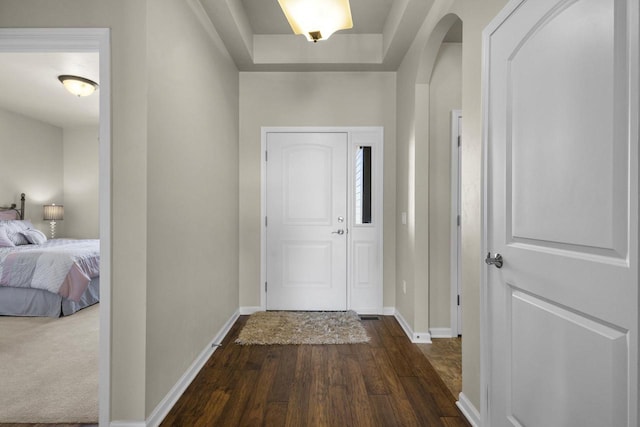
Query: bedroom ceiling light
[
  {"x": 78, "y": 86},
  {"x": 317, "y": 19},
  {"x": 53, "y": 213}
]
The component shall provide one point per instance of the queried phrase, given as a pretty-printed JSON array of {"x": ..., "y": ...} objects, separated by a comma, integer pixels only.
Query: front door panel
[{"x": 306, "y": 208}]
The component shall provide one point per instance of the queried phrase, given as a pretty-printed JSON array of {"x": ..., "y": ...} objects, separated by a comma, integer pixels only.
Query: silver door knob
[
  {"x": 497, "y": 260},
  {"x": 340, "y": 232}
]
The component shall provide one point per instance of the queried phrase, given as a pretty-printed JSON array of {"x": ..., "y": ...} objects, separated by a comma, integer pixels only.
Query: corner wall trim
[
  {"x": 468, "y": 410},
  {"x": 415, "y": 337},
  {"x": 127, "y": 424},
  {"x": 388, "y": 311},
  {"x": 163, "y": 408},
  {"x": 250, "y": 310},
  {"x": 441, "y": 333}
]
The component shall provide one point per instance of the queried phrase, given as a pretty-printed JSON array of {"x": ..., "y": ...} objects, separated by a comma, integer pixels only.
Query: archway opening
[{"x": 438, "y": 115}]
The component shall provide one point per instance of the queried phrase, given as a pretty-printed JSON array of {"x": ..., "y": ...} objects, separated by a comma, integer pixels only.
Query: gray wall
[
  {"x": 192, "y": 167},
  {"x": 413, "y": 80},
  {"x": 81, "y": 220},
  {"x": 127, "y": 21},
  {"x": 310, "y": 99},
  {"x": 154, "y": 111},
  {"x": 50, "y": 165},
  {"x": 31, "y": 162},
  {"x": 136, "y": 33},
  {"x": 445, "y": 94}
]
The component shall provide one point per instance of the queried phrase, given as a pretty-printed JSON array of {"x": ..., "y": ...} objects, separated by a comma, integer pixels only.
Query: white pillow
[
  {"x": 33, "y": 236},
  {"x": 14, "y": 229},
  {"x": 4, "y": 239}
]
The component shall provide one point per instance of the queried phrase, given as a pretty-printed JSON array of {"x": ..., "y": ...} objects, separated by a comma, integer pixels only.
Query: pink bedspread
[{"x": 61, "y": 266}]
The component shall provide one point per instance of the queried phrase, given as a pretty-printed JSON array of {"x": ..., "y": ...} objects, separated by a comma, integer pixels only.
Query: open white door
[
  {"x": 561, "y": 207},
  {"x": 306, "y": 213}
]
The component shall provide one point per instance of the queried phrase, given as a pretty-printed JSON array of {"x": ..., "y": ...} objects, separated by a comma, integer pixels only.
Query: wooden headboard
[{"x": 13, "y": 207}]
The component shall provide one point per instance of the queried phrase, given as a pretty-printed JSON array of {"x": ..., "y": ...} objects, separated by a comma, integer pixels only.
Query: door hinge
[
  {"x": 458, "y": 299},
  {"x": 488, "y": 397},
  {"x": 459, "y": 220},
  {"x": 459, "y": 140},
  {"x": 265, "y": 286},
  {"x": 266, "y": 156},
  {"x": 265, "y": 221}
]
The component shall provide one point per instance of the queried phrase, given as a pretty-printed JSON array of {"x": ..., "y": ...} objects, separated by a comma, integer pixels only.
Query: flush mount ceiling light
[
  {"x": 317, "y": 19},
  {"x": 78, "y": 86}
]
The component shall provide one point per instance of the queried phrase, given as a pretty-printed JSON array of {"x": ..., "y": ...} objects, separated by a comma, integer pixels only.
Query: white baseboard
[
  {"x": 163, "y": 408},
  {"x": 368, "y": 311},
  {"x": 127, "y": 424},
  {"x": 388, "y": 311},
  {"x": 440, "y": 332},
  {"x": 244, "y": 311},
  {"x": 468, "y": 410},
  {"x": 415, "y": 337}
]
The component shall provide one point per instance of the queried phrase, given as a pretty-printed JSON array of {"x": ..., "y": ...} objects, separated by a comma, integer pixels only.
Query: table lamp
[{"x": 53, "y": 213}]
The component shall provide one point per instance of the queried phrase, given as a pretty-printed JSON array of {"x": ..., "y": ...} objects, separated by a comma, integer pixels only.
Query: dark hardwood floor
[
  {"x": 47, "y": 425},
  {"x": 387, "y": 382},
  {"x": 445, "y": 355}
]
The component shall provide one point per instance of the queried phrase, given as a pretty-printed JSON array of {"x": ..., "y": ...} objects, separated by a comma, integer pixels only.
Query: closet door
[{"x": 562, "y": 211}]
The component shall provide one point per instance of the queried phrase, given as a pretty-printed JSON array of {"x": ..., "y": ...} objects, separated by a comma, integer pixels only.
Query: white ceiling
[
  {"x": 266, "y": 17},
  {"x": 258, "y": 37},
  {"x": 29, "y": 86}
]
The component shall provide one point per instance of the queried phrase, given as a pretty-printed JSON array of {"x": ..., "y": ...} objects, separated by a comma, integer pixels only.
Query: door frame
[
  {"x": 377, "y": 208},
  {"x": 86, "y": 40},
  {"x": 456, "y": 220}
]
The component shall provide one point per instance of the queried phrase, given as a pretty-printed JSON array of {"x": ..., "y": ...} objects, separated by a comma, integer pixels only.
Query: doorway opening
[
  {"x": 96, "y": 40},
  {"x": 439, "y": 84},
  {"x": 444, "y": 92}
]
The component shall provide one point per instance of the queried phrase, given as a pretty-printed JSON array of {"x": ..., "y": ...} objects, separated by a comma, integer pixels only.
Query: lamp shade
[
  {"x": 317, "y": 19},
  {"x": 53, "y": 212},
  {"x": 78, "y": 86}
]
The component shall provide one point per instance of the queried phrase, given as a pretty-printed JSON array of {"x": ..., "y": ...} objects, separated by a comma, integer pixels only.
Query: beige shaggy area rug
[
  {"x": 292, "y": 327},
  {"x": 49, "y": 368}
]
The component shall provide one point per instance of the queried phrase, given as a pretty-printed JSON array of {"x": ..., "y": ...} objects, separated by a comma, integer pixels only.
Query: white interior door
[
  {"x": 306, "y": 233},
  {"x": 561, "y": 208}
]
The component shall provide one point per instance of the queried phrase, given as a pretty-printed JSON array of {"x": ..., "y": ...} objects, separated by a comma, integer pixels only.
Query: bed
[{"x": 41, "y": 277}]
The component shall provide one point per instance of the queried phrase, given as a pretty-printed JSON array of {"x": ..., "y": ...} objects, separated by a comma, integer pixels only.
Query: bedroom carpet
[
  {"x": 289, "y": 327},
  {"x": 49, "y": 368}
]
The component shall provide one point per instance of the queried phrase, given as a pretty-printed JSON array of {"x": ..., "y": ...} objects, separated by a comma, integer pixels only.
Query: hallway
[{"x": 386, "y": 382}]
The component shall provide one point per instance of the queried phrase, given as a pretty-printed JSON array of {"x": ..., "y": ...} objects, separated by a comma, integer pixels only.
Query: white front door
[
  {"x": 306, "y": 233},
  {"x": 561, "y": 207}
]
